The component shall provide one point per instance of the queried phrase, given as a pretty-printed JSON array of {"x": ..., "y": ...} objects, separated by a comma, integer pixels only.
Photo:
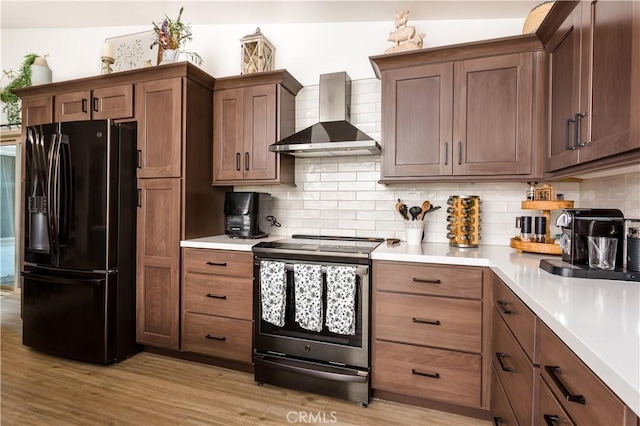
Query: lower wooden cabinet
[
  {"x": 431, "y": 330},
  {"x": 584, "y": 397},
  {"x": 550, "y": 410},
  {"x": 217, "y": 336},
  {"x": 217, "y": 304},
  {"x": 501, "y": 410}
]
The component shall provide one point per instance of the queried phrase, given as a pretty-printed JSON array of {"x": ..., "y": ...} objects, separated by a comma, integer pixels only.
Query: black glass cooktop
[{"x": 321, "y": 244}]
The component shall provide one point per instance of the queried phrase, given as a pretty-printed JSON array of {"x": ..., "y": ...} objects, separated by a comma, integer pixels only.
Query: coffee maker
[
  {"x": 247, "y": 214},
  {"x": 577, "y": 226}
]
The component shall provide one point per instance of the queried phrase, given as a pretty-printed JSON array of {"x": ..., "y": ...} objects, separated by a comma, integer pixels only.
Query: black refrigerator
[{"x": 78, "y": 278}]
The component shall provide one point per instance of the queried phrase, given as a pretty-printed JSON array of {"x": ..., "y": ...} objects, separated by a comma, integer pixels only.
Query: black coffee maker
[
  {"x": 247, "y": 214},
  {"x": 577, "y": 226}
]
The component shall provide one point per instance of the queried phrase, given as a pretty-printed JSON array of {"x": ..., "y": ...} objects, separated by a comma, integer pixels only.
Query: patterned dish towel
[
  {"x": 341, "y": 299},
  {"x": 308, "y": 291},
  {"x": 273, "y": 291}
]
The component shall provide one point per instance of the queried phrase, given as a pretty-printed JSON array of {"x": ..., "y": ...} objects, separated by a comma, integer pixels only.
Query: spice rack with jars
[
  {"x": 546, "y": 247},
  {"x": 463, "y": 220}
]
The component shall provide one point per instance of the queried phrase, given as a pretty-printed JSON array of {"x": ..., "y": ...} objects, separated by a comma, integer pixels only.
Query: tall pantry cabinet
[{"x": 176, "y": 199}]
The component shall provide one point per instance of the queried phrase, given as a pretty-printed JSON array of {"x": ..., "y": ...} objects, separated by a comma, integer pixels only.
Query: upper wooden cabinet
[
  {"x": 37, "y": 110},
  {"x": 109, "y": 102},
  {"x": 250, "y": 113},
  {"x": 461, "y": 111},
  {"x": 159, "y": 113},
  {"x": 593, "y": 84}
]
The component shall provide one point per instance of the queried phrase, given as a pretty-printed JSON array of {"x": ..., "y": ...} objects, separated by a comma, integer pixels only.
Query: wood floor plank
[{"x": 154, "y": 390}]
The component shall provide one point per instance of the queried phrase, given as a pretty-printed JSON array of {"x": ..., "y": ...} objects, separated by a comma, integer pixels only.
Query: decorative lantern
[{"x": 257, "y": 53}]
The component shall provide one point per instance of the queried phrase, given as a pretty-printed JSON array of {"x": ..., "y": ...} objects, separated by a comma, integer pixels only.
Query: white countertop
[
  {"x": 599, "y": 320},
  {"x": 223, "y": 242}
]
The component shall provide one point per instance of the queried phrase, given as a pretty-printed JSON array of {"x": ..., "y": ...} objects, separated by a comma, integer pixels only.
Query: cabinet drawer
[
  {"x": 217, "y": 295},
  {"x": 430, "y": 321},
  {"x": 520, "y": 320},
  {"x": 432, "y": 280},
  {"x": 216, "y": 336},
  {"x": 550, "y": 411},
  {"x": 72, "y": 106},
  {"x": 239, "y": 264},
  {"x": 500, "y": 408},
  {"x": 517, "y": 374},
  {"x": 428, "y": 373},
  {"x": 561, "y": 368}
]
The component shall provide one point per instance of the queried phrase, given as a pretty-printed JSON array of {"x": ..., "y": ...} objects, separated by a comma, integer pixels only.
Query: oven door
[{"x": 291, "y": 340}]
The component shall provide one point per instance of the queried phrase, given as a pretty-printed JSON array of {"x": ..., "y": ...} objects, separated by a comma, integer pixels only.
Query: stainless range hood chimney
[{"x": 334, "y": 135}]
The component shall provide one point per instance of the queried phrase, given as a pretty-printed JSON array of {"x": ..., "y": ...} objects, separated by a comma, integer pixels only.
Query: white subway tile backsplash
[{"x": 342, "y": 196}]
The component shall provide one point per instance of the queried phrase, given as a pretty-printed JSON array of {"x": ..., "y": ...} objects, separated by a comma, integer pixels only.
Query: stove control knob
[{"x": 307, "y": 348}]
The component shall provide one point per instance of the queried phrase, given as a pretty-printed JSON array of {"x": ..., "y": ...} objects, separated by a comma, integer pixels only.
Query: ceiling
[{"x": 71, "y": 14}]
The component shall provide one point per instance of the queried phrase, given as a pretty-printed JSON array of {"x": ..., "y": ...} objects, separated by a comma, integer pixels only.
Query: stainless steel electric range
[{"x": 300, "y": 339}]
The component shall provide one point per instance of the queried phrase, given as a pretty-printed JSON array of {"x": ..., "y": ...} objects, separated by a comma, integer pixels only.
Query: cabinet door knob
[
  {"x": 446, "y": 153},
  {"x": 502, "y": 304},
  {"x": 246, "y": 161},
  {"x": 425, "y": 280},
  {"x": 577, "y": 118},
  {"x": 459, "y": 153},
  {"x": 84, "y": 105},
  {"x": 551, "y": 419},
  {"x": 553, "y": 371},
  {"x": 567, "y": 136},
  {"x": 95, "y": 104},
  {"x": 500, "y": 356},
  {"x": 217, "y": 263},
  {"x": 420, "y": 373},
  {"x": 215, "y": 296},
  {"x": 237, "y": 161},
  {"x": 221, "y": 338},
  {"x": 425, "y": 321}
]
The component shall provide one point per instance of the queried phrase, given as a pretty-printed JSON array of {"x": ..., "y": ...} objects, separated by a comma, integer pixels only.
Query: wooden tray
[{"x": 522, "y": 246}]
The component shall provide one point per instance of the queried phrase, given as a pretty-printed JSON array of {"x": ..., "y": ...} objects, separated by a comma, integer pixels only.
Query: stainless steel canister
[{"x": 633, "y": 245}]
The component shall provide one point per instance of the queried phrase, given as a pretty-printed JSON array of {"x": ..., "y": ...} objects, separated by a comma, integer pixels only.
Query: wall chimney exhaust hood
[{"x": 334, "y": 135}]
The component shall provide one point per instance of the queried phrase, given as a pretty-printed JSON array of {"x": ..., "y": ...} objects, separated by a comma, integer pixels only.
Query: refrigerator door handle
[
  {"x": 67, "y": 190},
  {"x": 51, "y": 192}
]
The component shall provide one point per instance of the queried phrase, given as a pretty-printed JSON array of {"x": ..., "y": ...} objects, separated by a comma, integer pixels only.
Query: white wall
[{"x": 304, "y": 50}]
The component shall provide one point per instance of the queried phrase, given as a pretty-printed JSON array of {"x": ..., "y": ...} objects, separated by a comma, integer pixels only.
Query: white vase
[
  {"x": 40, "y": 72},
  {"x": 169, "y": 55}
]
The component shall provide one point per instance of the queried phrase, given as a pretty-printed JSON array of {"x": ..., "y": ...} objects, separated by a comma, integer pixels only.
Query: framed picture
[{"x": 133, "y": 51}]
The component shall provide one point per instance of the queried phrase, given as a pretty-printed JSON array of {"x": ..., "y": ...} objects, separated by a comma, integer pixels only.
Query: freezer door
[
  {"x": 72, "y": 182},
  {"x": 70, "y": 315}
]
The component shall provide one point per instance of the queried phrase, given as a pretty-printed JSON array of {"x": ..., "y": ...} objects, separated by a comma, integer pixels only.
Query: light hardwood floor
[{"x": 150, "y": 390}]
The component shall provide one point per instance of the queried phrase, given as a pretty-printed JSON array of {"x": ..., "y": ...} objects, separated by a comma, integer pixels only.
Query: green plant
[
  {"x": 173, "y": 34},
  {"x": 21, "y": 79}
]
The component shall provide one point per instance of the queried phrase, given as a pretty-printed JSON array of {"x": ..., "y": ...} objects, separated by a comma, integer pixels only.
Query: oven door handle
[
  {"x": 361, "y": 271},
  {"x": 345, "y": 375}
]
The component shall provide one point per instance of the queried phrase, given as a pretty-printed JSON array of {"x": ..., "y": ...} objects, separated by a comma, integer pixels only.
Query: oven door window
[{"x": 292, "y": 329}]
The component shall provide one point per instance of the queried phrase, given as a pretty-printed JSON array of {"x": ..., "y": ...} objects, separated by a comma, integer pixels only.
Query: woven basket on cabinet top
[{"x": 536, "y": 16}]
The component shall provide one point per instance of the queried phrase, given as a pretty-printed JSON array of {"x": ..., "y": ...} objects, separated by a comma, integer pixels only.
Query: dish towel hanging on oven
[
  {"x": 273, "y": 291},
  {"x": 308, "y": 291},
  {"x": 341, "y": 299}
]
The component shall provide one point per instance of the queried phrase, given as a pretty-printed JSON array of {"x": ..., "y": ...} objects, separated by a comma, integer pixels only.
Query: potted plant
[
  {"x": 21, "y": 79},
  {"x": 171, "y": 35}
]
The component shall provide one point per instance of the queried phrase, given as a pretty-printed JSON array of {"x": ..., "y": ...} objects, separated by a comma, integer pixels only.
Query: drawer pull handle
[
  {"x": 551, "y": 419},
  {"x": 420, "y": 373},
  {"x": 222, "y": 339},
  {"x": 424, "y": 280},
  {"x": 215, "y": 296},
  {"x": 497, "y": 421},
  {"x": 502, "y": 304},
  {"x": 217, "y": 263},
  {"x": 500, "y": 356},
  {"x": 424, "y": 321},
  {"x": 553, "y": 371}
]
